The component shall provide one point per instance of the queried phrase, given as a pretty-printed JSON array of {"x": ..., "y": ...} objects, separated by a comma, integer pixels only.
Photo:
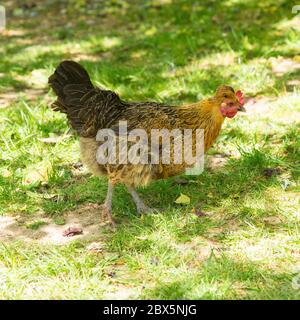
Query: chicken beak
[{"x": 241, "y": 108}]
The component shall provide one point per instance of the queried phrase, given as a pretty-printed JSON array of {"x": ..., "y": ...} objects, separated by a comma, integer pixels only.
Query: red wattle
[{"x": 229, "y": 112}]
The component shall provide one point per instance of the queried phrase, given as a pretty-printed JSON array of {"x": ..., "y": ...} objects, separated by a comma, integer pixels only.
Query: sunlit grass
[{"x": 246, "y": 247}]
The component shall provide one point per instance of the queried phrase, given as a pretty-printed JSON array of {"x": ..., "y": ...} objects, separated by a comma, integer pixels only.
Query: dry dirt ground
[{"x": 86, "y": 217}]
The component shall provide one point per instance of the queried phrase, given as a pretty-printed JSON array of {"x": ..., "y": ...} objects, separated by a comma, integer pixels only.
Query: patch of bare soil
[
  {"x": 6, "y": 99},
  {"x": 86, "y": 218},
  {"x": 217, "y": 161},
  {"x": 281, "y": 65}
]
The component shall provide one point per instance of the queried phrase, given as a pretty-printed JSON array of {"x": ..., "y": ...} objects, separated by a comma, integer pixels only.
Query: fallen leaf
[
  {"x": 151, "y": 31},
  {"x": 183, "y": 199},
  {"x": 72, "y": 231}
]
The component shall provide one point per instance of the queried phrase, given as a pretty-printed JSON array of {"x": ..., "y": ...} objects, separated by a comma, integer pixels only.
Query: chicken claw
[{"x": 106, "y": 215}]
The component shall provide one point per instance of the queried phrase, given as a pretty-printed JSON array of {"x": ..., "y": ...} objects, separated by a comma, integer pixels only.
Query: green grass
[{"x": 247, "y": 244}]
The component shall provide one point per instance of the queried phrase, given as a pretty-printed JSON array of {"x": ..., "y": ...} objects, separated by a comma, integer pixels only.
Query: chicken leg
[
  {"x": 106, "y": 207},
  {"x": 140, "y": 206}
]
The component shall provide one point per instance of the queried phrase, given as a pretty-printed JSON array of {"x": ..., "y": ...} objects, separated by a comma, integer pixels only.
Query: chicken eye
[{"x": 226, "y": 95}]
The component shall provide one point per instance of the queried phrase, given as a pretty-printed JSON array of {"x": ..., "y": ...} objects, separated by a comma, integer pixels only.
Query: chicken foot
[{"x": 140, "y": 205}]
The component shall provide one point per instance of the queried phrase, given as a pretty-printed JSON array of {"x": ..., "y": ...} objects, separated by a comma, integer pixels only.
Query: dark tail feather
[
  {"x": 69, "y": 72},
  {"x": 87, "y": 108},
  {"x": 70, "y": 82},
  {"x": 66, "y": 74}
]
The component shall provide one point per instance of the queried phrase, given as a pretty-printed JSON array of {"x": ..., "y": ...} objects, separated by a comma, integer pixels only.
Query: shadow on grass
[
  {"x": 148, "y": 29},
  {"x": 224, "y": 278}
]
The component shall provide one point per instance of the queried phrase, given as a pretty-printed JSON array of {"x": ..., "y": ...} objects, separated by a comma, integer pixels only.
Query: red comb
[{"x": 240, "y": 97}]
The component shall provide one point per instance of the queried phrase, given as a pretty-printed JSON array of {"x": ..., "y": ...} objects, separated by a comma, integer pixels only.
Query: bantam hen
[{"x": 90, "y": 109}]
